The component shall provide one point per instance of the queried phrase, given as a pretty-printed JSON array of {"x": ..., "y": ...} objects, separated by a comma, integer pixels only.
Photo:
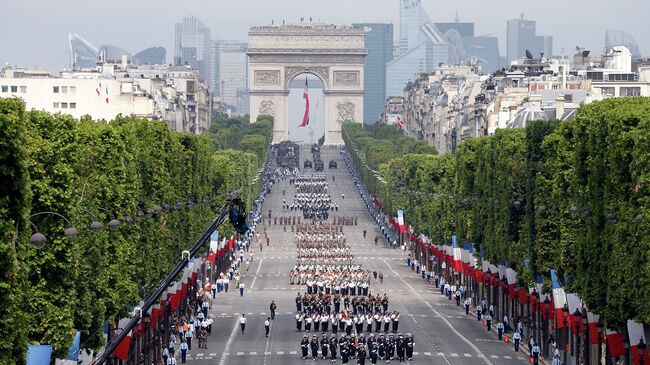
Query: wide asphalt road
[{"x": 443, "y": 333}]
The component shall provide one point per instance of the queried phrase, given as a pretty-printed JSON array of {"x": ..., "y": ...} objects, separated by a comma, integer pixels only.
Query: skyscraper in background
[
  {"x": 192, "y": 46},
  {"x": 522, "y": 36},
  {"x": 83, "y": 54},
  {"x": 231, "y": 80},
  {"x": 379, "y": 41}
]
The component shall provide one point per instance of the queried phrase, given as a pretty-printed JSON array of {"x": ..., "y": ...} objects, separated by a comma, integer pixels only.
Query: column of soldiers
[{"x": 337, "y": 296}]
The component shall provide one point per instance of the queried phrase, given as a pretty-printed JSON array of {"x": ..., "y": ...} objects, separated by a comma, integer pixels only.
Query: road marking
[
  {"x": 226, "y": 349},
  {"x": 253, "y": 353},
  {"x": 494, "y": 356},
  {"x": 259, "y": 266},
  {"x": 199, "y": 355},
  {"x": 507, "y": 357},
  {"x": 293, "y": 352},
  {"x": 416, "y": 353},
  {"x": 467, "y": 355},
  {"x": 213, "y": 354},
  {"x": 453, "y": 354},
  {"x": 427, "y": 353},
  {"x": 280, "y": 352},
  {"x": 240, "y": 354},
  {"x": 267, "y": 353},
  {"x": 470, "y": 343},
  {"x": 441, "y": 354}
]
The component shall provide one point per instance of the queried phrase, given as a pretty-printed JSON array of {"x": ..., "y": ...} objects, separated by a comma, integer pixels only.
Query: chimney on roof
[{"x": 559, "y": 106}]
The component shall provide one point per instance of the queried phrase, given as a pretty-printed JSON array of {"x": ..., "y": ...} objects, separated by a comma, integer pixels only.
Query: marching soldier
[
  {"x": 374, "y": 348},
  {"x": 499, "y": 329},
  {"x": 361, "y": 357},
  {"x": 395, "y": 319},
  {"x": 400, "y": 345},
  {"x": 298, "y": 322},
  {"x": 304, "y": 345},
  {"x": 409, "y": 346},
  {"x": 324, "y": 345},
  {"x": 314, "y": 348},
  {"x": 390, "y": 348},
  {"x": 381, "y": 346},
  {"x": 333, "y": 346}
]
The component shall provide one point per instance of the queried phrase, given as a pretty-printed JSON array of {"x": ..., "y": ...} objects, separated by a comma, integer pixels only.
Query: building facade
[
  {"x": 230, "y": 75},
  {"x": 521, "y": 37},
  {"x": 160, "y": 92},
  {"x": 379, "y": 42}
]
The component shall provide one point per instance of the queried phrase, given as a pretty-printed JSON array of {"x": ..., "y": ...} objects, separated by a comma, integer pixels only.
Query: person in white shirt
[
  {"x": 267, "y": 326},
  {"x": 517, "y": 338},
  {"x": 242, "y": 323},
  {"x": 226, "y": 283},
  {"x": 241, "y": 289},
  {"x": 183, "y": 348},
  {"x": 171, "y": 360}
]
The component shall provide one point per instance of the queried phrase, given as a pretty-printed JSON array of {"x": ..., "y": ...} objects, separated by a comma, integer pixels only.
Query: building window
[
  {"x": 608, "y": 91},
  {"x": 64, "y": 105},
  {"x": 73, "y": 89},
  {"x": 14, "y": 89},
  {"x": 55, "y": 105},
  {"x": 5, "y": 88},
  {"x": 55, "y": 89},
  {"x": 73, "y": 105},
  {"x": 64, "y": 89},
  {"x": 23, "y": 89},
  {"x": 630, "y": 91}
]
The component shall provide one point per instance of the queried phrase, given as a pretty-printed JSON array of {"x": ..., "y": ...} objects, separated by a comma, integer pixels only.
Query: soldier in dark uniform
[
  {"x": 390, "y": 348},
  {"x": 314, "y": 348},
  {"x": 333, "y": 347},
  {"x": 304, "y": 344},
  {"x": 400, "y": 346},
  {"x": 344, "y": 351},
  {"x": 374, "y": 348},
  {"x": 335, "y": 325},
  {"x": 361, "y": 357},
  {"x": 381, "y": 344},
  {"x": 324, "y": 345},
  {"x": 409, "y": 346},
  {"x": 353, "y": 349}
]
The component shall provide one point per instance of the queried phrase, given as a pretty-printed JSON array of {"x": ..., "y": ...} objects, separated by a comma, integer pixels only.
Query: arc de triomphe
[{"x": 279, "y": 53}]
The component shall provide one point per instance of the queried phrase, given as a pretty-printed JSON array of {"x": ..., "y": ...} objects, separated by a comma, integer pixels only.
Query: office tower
[
  {"x": 544, "y": 45},
  {"x": 521, "y": 37},
  {"x": 615, "y": 38},
  {"x": 379, "y": 42},
  {"x": 231, "y": 81},
  {"x": 464, "y": 29},
  {"x": 150, "y": 56},
  {"x": 192, "y": 46}
]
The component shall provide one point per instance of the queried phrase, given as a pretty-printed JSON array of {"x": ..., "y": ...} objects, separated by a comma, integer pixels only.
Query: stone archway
[{"x": 334, "y": 54}]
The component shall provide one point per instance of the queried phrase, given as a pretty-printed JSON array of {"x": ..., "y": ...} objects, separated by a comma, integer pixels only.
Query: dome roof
[{"x": 526, "y": 115}]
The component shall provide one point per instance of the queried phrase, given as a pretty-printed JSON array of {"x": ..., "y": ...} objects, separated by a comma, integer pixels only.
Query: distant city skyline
[{"x": 44, "y": 43}]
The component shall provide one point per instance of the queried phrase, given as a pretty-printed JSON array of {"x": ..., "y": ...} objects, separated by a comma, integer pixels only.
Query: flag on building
[
  {"x": 122, "y": 350},
  {"x": 106, "y": 93},
  {"x": 305, "y": 95},
  {"x": 559, "y": 299},
  {"x": 615, "y": 345},
  {"x": 99, "y": 89},
  {"x": 400, "y": 221},
  {"x": 400, "y": 122}
]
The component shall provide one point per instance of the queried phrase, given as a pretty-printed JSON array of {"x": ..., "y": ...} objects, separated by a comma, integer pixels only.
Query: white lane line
[
  {"x": 470, "y": 343},
  {"x": 427, "y": 353},
  {"x": 213, "y": 354},
  {"x": 293, "y": 352},
  {"x": 494, "y": 356},
  {"x": 467, "y": 355},
  {"x": 280, "y": 352},
  {"x": 226, "y": 349},
  {"x": 453, "y": 354},
  {"x": 507, "y": 357},
  {"x": 259, "y": 266},
  {"x": 240, "y": 354},
  {"x": 253, "y": 353}
]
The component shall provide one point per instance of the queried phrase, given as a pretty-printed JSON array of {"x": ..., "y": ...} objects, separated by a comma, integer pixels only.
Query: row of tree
[
  {"x": 168, "y": 184},
  {"x": 572, "y": 196}
]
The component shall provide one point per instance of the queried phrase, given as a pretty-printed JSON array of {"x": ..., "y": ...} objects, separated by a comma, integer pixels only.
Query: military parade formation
[{"x": 335, "y": 297}]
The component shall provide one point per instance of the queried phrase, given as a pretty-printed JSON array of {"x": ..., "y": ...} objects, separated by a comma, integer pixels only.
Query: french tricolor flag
[
  {"x": 400, "y": 221},
  {"x": 106, "y": 94},
  {"x": 559, "y": 299},
  {"x": 305, "y": 95},
  {"x": 99, "y": 89}
]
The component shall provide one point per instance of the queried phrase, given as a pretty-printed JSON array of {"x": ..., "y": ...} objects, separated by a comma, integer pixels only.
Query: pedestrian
[
  {"x": 535, "y": 353},
  {"x": 205, "y": 306},
  {"x": 273, "y": 307},
  {"x": 226, "y": 283},
  {"x": 241, "y": 289},
  {"x": 267, "y": 326},
  {"x": 171, "y": 360},
  {"x": 467, "y": 304},
  {"x": 165, "y": 355},
  {"x": 242, "y": 323},
  {"x": 189, "y": 334},
  {"x": 499, "y": 330},
  {"x": 516, "y": 338},
  {"x": 479, "y": 311},
  {"x": 488, "y": 320},
  {"x": 183, "y": 349}
]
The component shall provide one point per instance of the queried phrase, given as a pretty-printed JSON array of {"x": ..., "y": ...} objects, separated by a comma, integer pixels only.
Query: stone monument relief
[
  {"x": 267, "y": 108},
  {"x": 264, "y": 77},
  {"x": 345, "y": 112}
]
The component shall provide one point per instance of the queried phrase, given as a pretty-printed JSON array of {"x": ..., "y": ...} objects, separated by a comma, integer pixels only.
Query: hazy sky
[{"x": 35, "y": 32}]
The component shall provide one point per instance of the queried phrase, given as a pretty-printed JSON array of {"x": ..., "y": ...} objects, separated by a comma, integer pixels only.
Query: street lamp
[
  {"x": 546, "y": 308},
  {"x": 39, "y": 240},
  {"x": 565, "y": 316},
  {"x": 641, "y": 351},
  {"x": 577, "y": 319},
  {"x": 113, "y": 224}
]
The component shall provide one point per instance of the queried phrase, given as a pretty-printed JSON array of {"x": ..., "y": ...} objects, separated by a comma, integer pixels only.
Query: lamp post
[
  {"x": 641, "y": 351},
  {"x": 599, "y": 332},
  {"x": 577, "y": 319},
  {"x": 585, "y": 329},
  {"x": 565, "y": 315},
  {"x": 39, "y": 240},
  {"x": 546, "y": 309}
]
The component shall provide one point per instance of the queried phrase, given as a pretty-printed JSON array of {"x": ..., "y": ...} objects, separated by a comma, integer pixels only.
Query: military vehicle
[{"x": 332, "y": 164}]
